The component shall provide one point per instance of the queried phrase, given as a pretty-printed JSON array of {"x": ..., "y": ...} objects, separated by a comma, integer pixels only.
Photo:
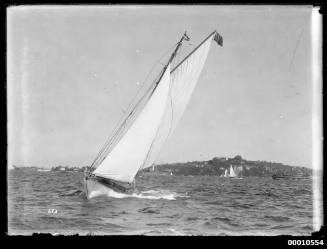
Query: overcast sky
[{"x": 73, "y": 70}]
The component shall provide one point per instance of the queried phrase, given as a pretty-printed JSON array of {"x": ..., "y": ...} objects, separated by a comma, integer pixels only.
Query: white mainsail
[
  {"x": 226, "y": 173},
  {"x": 183, "y": 81},
  {"x": 126, "y": 158}
]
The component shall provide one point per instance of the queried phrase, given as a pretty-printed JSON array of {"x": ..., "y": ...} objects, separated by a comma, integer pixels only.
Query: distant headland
[
  {"x": 216, "y": 166},
  {"x": 219, "y": 165}
]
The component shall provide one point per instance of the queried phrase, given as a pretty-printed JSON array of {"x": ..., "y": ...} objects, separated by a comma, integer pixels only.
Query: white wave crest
[{"x": 149, "y": 194}]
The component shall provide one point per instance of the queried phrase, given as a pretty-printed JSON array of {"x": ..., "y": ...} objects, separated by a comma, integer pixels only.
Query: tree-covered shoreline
[
  {"x": 215, "y": 166},
  {"x": 218, "y": 165}
]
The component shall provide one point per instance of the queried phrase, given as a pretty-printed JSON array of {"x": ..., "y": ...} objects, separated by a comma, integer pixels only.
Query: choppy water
[{"x": 164, "y": 205}]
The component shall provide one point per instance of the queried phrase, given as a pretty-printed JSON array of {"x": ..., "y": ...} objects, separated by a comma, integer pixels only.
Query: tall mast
[
  {"x": 179, "y": 44},
  {"x": 100, "y": 154},
  {"x": 214, "y": 32},
  {"x": 184, "y": 37}
]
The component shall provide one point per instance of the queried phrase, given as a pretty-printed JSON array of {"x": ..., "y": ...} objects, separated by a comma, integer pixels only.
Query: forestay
[{"x": 129, "y": 154}]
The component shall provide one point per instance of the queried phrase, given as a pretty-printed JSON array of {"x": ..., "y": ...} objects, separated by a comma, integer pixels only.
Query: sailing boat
[
  {"x": 140, "y": 137},
  {"x": 232, "y": 172},
  {"x": 238, "y": 172},
  {"x": 226, "y": 173}
]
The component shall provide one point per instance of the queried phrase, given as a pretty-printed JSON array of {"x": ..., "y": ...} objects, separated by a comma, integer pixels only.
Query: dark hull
[
  {"x": 97, "y": 185},
  {"x": 277, "y": 177}
]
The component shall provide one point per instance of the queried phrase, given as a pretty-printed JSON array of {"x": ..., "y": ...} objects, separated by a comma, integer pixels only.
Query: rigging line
[
  {"x": 107, "y": 148},
  {"x": 129, "y": 106},
  {"x": 156, "y": 62},
  {"x": 174, "y": 55},
  {"x": 148, "y": 94},
  {"x": 180, "y": 54},
  {"x": 146, "y": 78},
  {"x": 171, "y": 104},
  {"x": 114, "y": 139},
  {"x": 121, "y": 122},
  {"x": 194, "y": 50},
  {"x": 161, "y": 75},
  {"x": 119, "y": 131}
]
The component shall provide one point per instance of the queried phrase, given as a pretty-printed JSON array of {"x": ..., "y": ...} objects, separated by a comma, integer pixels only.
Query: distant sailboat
[
  {"x": 43, "y": 170},
  {"x": 232, "y": 172},
  {"x": 136, "y": 143},
  {"x": 239, "y": 172},
  {"x": 236, "y": 172}
]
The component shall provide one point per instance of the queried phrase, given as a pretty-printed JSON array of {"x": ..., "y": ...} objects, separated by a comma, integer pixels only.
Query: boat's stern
[
  {"x": 89, "y": 184},
  {"x": 92, "y": 187}
]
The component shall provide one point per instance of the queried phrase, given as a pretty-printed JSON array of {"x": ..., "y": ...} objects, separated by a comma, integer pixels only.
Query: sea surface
[{"x": 53, "y": 202}]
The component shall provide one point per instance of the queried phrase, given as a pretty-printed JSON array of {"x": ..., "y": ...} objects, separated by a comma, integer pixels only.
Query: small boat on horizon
[
  {"x": 23, "y": 168},
  {"x": 297, "y": 176},
  {"x": 43, "y": 170},
  {"x": 233, "y": 173}
]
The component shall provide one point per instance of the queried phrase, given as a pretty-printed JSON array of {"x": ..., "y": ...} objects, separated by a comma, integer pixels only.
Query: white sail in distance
[
  {"x": 184, "y": 78},
  {"x": 129, "y": 154},
  {"x": 231, "y": 172},
  {"x": 238, "y": 170}
]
